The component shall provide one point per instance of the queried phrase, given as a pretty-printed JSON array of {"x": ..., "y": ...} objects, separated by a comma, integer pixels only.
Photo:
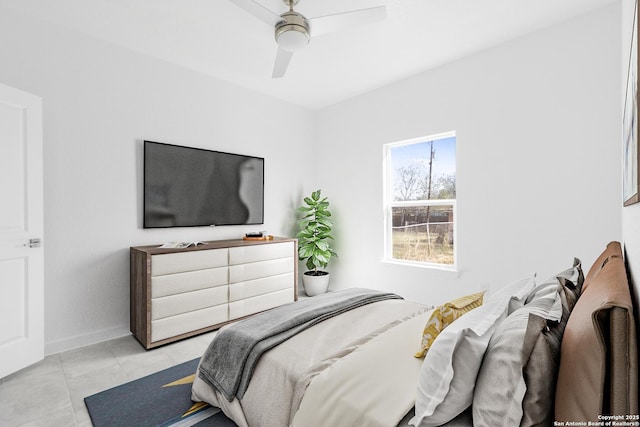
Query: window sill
[{"x": 438, "y": 267}]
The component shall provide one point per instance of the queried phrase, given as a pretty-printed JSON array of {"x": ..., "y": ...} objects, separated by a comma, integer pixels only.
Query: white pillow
[
  {"x": 519, "y": 290},
  {"x": 548, "y": 302},
  {"x": 450, "y": 368}
]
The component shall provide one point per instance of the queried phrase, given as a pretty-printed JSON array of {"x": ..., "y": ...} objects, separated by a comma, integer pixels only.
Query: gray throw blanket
[{"x": 228, "y": 363}]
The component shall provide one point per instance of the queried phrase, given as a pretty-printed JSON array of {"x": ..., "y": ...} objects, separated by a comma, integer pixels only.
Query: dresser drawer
[
  {"x": 259, "y": 303},
  {"x": 177, "y": 283},
  {"x": 188, "y": 322},
  {"x": 180, "y": 262},
  {"x": 189, "y": 301},
  {"x": 255, "y": 270},
  {"x": 252, "y": 288},
  {"x": 246, "y": 254}
]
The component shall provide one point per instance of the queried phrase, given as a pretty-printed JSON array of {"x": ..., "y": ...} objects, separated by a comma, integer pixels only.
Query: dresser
[{"x": 178, "y": 293}]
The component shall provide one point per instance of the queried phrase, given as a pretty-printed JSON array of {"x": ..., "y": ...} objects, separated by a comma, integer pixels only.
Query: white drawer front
[
  {"x": 256, "y": 270},
  {"x": 187, "y": 322},
  {"x": 177, "y": 283},
  {"x": 245, "y": 254},
  {"x": 266, "y": 285},
  {"x": 188, "y": 261},
  {"x": 189, "y": 301},
  {"x": 253, "y": 305}
]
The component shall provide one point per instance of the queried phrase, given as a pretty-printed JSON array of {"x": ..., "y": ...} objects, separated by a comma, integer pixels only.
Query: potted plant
[{"x": 313, "y": 243}]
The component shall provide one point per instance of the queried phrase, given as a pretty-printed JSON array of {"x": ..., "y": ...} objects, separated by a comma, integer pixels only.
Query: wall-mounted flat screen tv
[{"x": 189, "y": 187}]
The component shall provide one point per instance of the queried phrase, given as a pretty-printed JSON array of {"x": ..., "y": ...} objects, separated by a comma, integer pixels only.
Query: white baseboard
[{"x": 78, "y": 341}]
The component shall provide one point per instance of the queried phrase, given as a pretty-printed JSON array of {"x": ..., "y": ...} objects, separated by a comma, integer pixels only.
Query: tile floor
[{"x": 52, "y": 392}]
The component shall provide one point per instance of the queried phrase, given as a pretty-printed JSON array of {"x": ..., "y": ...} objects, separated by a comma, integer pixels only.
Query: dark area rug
[{"x": 160, "y": 399}]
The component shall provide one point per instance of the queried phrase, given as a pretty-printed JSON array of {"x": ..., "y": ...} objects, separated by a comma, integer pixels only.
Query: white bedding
[
  {"x": 328, "y": 352},
  {"x": 374, "y": 386}
]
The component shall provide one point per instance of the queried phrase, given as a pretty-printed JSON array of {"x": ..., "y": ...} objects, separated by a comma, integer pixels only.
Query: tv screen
[{"x": 188, "y": 187}]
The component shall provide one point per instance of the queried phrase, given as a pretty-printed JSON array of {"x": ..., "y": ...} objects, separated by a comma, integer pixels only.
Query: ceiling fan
[{"x": 293, "y": 31}]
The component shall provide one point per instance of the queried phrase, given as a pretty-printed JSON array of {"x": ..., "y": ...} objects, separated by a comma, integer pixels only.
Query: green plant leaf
[
  {"x": 322, "y": 256},
  {"x": 327, "y": 223},
  {"x": 305, "y": 251},
  {"x": 305, "y": 234},
  {"x": 322, "y": 245},
  {"x": 310, "y": 265},
  {"x": 324, "y": 236}
]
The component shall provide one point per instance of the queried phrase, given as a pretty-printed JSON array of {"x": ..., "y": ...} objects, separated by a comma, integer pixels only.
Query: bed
[{"x": 478, "y": 360}]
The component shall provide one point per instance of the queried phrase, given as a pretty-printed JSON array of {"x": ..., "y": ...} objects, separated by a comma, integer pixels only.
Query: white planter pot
[{"x": 315, "y": 285}]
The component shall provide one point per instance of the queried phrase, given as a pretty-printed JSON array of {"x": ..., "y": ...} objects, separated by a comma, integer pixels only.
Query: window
[{"x": 420, "y": 201}]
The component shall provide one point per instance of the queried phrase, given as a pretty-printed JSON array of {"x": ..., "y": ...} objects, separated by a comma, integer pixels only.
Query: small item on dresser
[
  {"x": 257, "y": 235},
  {"x": 181, "y": 245}
]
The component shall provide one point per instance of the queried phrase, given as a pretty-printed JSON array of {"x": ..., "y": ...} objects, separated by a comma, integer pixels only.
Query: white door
[{"x": 21, "y": 231}]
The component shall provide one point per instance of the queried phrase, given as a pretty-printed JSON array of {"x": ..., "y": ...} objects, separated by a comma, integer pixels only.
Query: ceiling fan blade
[
  {"x": 282, "y": 62},
  {"x": 340, "y": 21},
  {"x": 259, "y": 11}
]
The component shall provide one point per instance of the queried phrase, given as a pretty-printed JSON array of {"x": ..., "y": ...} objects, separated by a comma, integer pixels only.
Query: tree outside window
[{"x": 420, "y": 200}]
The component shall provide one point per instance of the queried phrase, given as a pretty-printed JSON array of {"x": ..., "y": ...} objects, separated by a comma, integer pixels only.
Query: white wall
[
  {"x": 538, "y": 159},
  {"x": 100, "y": 102},
  {"x": 630, "y": 214}
]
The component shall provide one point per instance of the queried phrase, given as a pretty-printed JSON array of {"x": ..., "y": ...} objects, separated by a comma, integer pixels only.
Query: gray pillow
[
  {"x": 572, "y": 281},
  {"x": 500, "y": 386},
  {"x": 544, "y": 337},
  {"x": 540, "y": 372}
]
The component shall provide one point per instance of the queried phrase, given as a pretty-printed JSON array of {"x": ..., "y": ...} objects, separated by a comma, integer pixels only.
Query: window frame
[{"x": 389, "y": 204}]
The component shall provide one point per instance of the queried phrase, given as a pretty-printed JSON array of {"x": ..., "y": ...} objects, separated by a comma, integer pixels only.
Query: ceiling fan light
[
  {"x": 292, "y": 33},
  {"x": 292, "y": 39}
]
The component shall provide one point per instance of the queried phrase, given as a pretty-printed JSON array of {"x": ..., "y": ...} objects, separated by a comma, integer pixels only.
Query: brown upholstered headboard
[{"x": 598, "y": 375}]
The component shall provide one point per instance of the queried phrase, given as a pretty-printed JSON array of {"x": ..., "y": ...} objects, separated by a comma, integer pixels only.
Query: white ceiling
[{"x": 218, "y": 38}]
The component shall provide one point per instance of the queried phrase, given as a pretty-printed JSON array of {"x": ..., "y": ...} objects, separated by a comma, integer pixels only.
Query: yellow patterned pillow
[{"x": 444, "y": 315}]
